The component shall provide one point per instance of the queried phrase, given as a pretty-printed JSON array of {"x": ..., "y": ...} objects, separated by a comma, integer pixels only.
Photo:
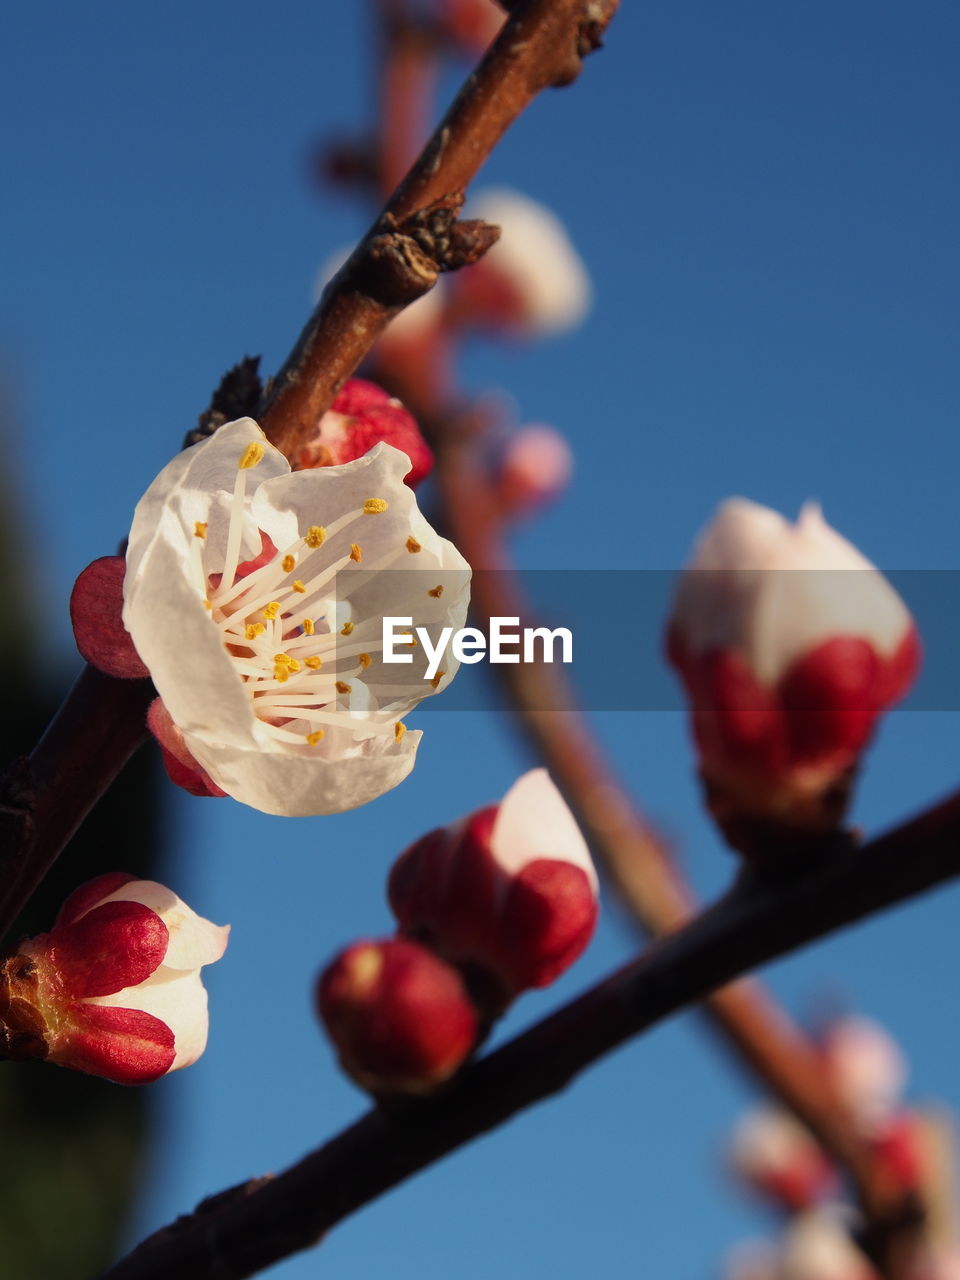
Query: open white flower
[{"x": 255, "y": 597}]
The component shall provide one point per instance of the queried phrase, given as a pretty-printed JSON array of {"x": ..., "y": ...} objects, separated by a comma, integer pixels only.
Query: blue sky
[{"x": 767, "y": 200}]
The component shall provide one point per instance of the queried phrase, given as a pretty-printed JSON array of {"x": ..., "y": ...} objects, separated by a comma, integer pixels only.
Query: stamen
[
  {"x": 413, "y": 546},
  {"x": 355, "y": 552},
  {"x": 272, "y": 611},
  {"x": 437, "y": 678},
  {"x": 365, "y": 661},
  {"x": 343, "y": 687},
  {"x": 436, "y": 592},
  {"x": 297, "y": 585},
  {"x": 315, "y": 536},
  {"x": 374, "y": 506},
  {"x": 399, "y": 729},
  {"x": 199, "y": 528},
  {"x": 307, "y": 625},
  {"x": 314, "y": 663},
  {"x": 254, "y": 629},
  {"x": 251, "y": 456},
  {"x": 314, "y": 738},
  {"x": 288, "y": 563},
  {"x": 347, "y": 629}
]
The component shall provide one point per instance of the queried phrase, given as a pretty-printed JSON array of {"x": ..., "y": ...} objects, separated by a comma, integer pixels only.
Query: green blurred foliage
[{"x": 73, "y": 1146}]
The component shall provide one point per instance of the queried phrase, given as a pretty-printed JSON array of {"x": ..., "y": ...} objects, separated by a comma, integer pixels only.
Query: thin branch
[
  {"x": 256, "y": 1224},
  {"x": 417, "y": 236}
]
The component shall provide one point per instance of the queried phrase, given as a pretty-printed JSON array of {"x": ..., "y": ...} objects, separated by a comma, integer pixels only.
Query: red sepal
[
  {"x": 84, "y": 898},
  {"x": 182, "y": 769},
  {"x": 116, "y": 945},
  {"x": 96, "y": 608},
  {"x": 547, "y": 920},
  {"x": 126, "y": 1046}
]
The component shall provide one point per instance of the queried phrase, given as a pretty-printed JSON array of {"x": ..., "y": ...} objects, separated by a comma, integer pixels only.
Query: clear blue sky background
[{"x": 768, "y": 201}]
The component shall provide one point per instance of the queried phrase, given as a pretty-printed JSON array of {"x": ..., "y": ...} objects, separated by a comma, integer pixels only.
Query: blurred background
[{"x": 766, "y": 198}]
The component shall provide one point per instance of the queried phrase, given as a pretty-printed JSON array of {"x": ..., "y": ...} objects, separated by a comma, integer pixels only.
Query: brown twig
[
  {"x": 47, "y": 795},
  {"x": 254, "y": 1225},
  {"x": 541, "y": 45}
]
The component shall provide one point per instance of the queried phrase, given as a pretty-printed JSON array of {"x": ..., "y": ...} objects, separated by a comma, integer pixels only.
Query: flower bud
[
  {"x": 473, "y": 24},
  {"x": 535, "y": 469},
  {"x": 818, "y": 1246},
  {"x": 531, "y": 283},
  {"x": 790, "y": 644},
  {"x": 508, "y": 894},
  {"x": 362, "y": 415},
  {"x": 399, "y": 1016},
  {"x": 114, "y": 989},
  {"x": 867, "y": 1070},
  {"x": 776, "y": 1156}
]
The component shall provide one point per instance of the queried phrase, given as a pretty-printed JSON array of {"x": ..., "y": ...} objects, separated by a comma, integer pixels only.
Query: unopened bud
[
  {"x": 535, "y": 469},
  {"x": 399, "y": 1017},
  {"x": 508, "y": 894},
  {"x": 790, "y": 644},
  {"x": 776, "y": 1156},
  {"x": 114, "y": 989},
  {"x": 867, "y": 1069},
  {"x": 96, "y": 606},
  {"x": 361, "y": 416},
  {"x": 531, "y": 283}
]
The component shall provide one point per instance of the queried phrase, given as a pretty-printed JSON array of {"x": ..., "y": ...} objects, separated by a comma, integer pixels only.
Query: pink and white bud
[
  {"x": 778, "y": 1157},
  {"x": 535, "y": 468},
  {"x": 114, "y": 989},
  {"x": 868, "y": 1070},
  {"x": 790, "y": 644},
  {"x": 473, "y": 24},
  {"x": 362, "y": 415},
  {"x": 531, "y": 283},
  {"x": 399, "y": 1016},
  {"x": 818, "y": 1246},
  {"x": 509, "y": 891}
]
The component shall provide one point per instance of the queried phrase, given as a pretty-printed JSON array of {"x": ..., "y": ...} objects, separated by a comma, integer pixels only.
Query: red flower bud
[
  {"x": 777, "y": 1156},
  {"x": 790, "y": 644},
  {"x": 510, "y": 890},
  {"x": 114, "y": 989},
  {"x": 535, "y": 469},
  {"x": 399, "y": 1016},
  {"x": 361, "y": 416}
]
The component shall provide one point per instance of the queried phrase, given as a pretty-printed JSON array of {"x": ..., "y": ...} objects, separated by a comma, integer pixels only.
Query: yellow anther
[
  {"x": 307, "y": 625},
  {"x": 316, "y": 536},
  {"x": 436, "y": 592},
  {"x": 315, "y": 737},
  {"x": 346, "y": 629},
  {"x": 282, "y": 659},
  {"x": 288, "y": 563},
  {"x": 314, "y": 663},
  {"x": 437, "y": 678},
  {"x": 298, "y": 586},
  {"x": 355, "y": 552},
  {"x": 413, "y": 546},
  {"x": 199, "y": 528},
  {"x": 293, "y": 665},
  {"x": 399, "y": 729},
  {"x": 373, "y": 506},
  {"x": 207, "y": 605},
  {"x": 281, "y": 674},
  {"x": 254, "y": 629},
  {"x": 411, "y": 638},
  {"x": 272, "y": 610},
  {"x": 251, "y": 455},
  {"x": 343, "y": 687},
  {"x": 365, "y": 660}
]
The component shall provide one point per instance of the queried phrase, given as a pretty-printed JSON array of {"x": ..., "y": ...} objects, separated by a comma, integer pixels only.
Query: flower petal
[
  {"x": 176, "y": 998},
  {"x": 535, "y": 822}
]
